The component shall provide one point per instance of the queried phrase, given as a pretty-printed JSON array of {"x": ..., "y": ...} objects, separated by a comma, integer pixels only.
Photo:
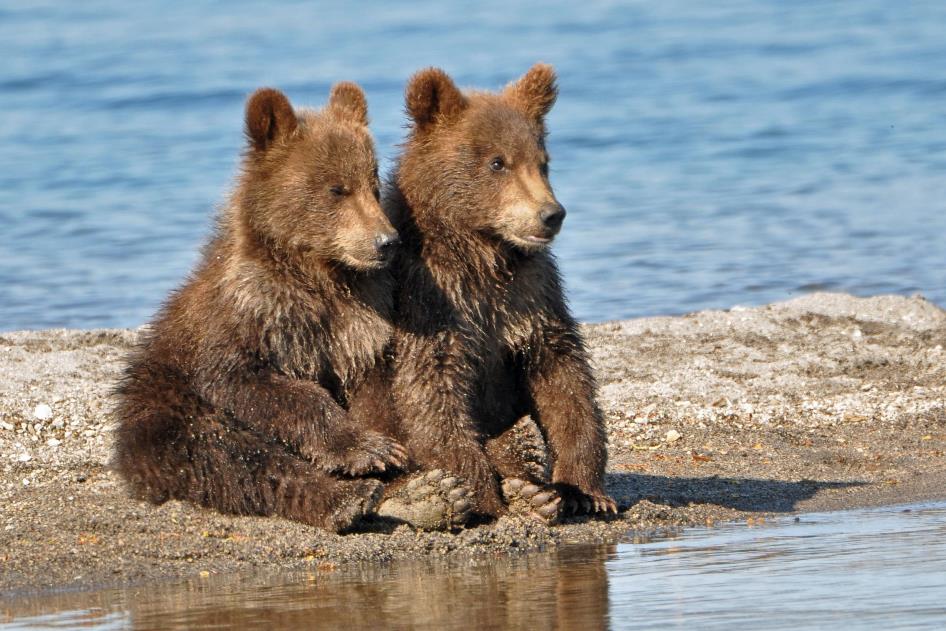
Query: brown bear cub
[
  {"x": 237, "y": 398},
  {"x": 483, "y": 334}
]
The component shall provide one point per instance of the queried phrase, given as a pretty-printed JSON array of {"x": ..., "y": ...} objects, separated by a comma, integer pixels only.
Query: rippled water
[
  {"x": 709, "y": 153},
  {"x": 869, "y": 569}
]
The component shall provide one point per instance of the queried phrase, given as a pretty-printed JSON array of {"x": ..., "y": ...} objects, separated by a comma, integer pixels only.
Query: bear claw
[
  {"x": 578, "y": 503},
  {"x": 429, "y": 501}
]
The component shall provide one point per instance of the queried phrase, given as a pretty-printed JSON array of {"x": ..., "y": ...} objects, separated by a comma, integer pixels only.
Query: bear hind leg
[{"x": 235, "y": 471}]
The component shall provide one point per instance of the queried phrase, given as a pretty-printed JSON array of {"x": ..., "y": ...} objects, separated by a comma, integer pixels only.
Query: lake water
[
  {"x": 868, "y": 569},
  {"x": 709, "y": 153}
]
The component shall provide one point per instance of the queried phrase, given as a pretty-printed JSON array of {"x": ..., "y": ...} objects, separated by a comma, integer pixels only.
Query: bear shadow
[{"x": 743, "y": 494}]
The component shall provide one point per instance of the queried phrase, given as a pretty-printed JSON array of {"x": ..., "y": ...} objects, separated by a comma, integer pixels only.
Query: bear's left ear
[
  {"x": 347, "y": 102},
  {"x": 535, "y": 91},
  {"x": 269, "y": 117},
  {"x": 432, "y": 97}
]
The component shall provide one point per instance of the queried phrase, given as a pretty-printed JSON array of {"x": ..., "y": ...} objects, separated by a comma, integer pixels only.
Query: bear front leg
[
  {"x": 304, "y": 416},
  {"x": 432, "y": 387},
  {"x": 563, "y": 391}
]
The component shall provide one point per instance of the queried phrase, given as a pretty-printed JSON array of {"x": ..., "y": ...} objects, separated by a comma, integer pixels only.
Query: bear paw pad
[
  {"x": 434, "y": 500},
  {"x": 526, "y": 499}
]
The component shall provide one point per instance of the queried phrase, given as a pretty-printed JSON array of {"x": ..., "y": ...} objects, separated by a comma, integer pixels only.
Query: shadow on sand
[{"x": 744, "y": 494}]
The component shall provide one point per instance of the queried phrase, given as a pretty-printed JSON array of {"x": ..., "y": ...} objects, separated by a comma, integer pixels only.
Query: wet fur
[
  {"x": 237, "y": 397},
  {"x": 483, "y": 334}
]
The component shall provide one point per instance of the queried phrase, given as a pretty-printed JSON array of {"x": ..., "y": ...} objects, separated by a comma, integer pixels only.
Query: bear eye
[
  {"x": 544, "y": 169},
  {"x": 497, "y": 164},
  {"x": 339, "y": 191}
]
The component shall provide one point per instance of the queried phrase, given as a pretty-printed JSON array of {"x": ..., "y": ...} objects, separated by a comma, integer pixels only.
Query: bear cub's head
[
  {"x": 311, "y": 188},
  {"x": 479, "y": 158}
]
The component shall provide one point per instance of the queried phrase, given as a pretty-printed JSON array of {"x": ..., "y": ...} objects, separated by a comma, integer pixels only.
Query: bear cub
[
  {"x": 483, "y": 335},
  {"x": 237, "y": 396}
]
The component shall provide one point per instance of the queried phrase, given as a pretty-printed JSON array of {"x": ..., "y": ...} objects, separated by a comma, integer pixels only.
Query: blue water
[
  {"x": 709, "y": 153},
  {"x": 867, "y": 569}
]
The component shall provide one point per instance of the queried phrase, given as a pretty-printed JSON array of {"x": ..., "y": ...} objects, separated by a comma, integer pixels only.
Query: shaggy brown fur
[
  {"x": 483, "y": 335},
  {"x": 237, "y": 397}
]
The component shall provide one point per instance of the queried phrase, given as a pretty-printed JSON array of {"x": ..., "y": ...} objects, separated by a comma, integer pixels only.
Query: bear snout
[
  {"x": 386, "y": 243},
  {"x": 552, "y": 215}
]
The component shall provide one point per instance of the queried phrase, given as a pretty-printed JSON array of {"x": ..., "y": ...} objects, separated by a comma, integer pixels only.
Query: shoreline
[{"x": 824, "y": 402}]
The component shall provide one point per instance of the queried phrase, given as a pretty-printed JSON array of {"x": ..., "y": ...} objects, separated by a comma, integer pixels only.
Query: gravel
[{"x": 823, "y": 402}]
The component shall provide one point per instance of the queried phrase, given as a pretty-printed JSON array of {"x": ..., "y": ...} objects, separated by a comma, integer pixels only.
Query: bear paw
[
  {"x": 434, "y": 500},
  {"x": 361, "y": 499},
  {"x": 532, "y": 500},
  {"x": 579, "y": 503},
  {"x": 372, "y": 453}
]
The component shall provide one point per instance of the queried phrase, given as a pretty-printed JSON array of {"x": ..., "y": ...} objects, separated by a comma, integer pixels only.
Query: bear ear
[
  {"x": 269, "y": 117},
  {"x": 432, "y": 97},
  {"x": 347, "y": 102},
  {"x": 535, "y": 91}
]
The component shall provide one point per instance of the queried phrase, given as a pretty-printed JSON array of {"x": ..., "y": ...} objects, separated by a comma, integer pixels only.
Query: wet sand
[{"x": 824, "y": 402}]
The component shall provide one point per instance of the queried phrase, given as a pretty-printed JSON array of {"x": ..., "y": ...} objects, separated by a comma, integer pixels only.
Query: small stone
[
  {"x": 6, "y": 426},
  {"x": 53, "y": 442},
  {"x": 58, "y": 423},
  {"x": 43, "y": 412},
  {"x": 24, "y": 457},
  {"x": 672, "y": 436}
]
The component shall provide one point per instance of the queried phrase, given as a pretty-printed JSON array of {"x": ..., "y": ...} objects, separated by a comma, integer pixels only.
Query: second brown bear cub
[
  {"x": 483, "y": 334},
  {"x": 238, "y": 397}
]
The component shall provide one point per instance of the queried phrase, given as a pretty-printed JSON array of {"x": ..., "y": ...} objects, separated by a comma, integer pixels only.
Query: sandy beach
[{"x": 823, "y": 402}]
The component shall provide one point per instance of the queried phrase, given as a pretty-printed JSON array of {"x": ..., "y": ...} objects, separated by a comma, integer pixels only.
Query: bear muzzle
[
  {"x": 552, "y": 215},
  {"x": 385, "y": 245}
]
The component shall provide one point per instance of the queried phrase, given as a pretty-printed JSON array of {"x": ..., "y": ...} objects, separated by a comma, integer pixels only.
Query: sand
[{"x": 824, "y": 402}]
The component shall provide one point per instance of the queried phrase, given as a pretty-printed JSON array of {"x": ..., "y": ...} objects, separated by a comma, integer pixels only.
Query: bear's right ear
[
  {"x": 347, "y": 102},
  {"x": 432, "y": 97},
  {"x": 269, "y": 116}
]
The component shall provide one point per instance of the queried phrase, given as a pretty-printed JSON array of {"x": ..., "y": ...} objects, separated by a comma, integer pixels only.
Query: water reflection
[
  {"x": 567, "y": 589},
  {"x": 873, "y": 569}
]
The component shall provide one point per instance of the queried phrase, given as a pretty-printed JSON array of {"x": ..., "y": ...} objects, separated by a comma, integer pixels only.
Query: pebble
[
  {"x": 24, "y": 457},
  {"x": 53, "y": 442},
  {"x": 58, "y": 423},
  {"x": 673, "y": 436},
  {"x": 6, "y": 426},
  {"x": 43, "y": 412}
]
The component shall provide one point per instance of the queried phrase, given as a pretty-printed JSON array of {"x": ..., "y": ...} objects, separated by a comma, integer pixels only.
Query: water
[
  {"x": 869, "y": 569},
  {"x": 709, "y": 153}
]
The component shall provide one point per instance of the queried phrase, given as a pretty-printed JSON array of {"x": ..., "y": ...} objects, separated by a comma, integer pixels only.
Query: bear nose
[
  {"x": 386, "y": 242},
  {"x": 552, "y": 216}
]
